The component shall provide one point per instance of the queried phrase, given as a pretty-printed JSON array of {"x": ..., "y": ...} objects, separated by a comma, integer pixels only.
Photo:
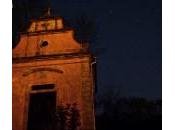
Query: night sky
[{"x": 128, "y": 43}]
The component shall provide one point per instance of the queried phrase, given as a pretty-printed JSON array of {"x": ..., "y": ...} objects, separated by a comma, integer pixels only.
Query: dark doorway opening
[{"x": 42, "y": 109}]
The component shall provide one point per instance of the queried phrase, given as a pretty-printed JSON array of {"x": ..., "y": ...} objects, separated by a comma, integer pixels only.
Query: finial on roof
[{"x": 48, "y": 11}]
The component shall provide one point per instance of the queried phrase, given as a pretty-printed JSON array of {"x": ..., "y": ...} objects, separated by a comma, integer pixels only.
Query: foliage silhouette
[
  {"x": 129, "y": 113},
  {"x": 67, "y": 117}
]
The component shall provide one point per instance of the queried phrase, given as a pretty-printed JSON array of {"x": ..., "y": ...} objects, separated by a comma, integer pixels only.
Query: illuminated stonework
[
  {"x": 46, "y": 25},
  {"x": 50, "y": 67}
]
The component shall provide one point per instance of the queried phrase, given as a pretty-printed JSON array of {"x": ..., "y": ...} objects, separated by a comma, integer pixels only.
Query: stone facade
[{"x": 48, "y": 54}]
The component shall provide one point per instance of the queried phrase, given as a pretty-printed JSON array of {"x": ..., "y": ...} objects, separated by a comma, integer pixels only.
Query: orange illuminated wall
[{"x": 48, "y": 54}]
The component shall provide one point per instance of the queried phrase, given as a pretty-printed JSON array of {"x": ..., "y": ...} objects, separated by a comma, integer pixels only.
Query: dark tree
[{"x": 85, "y": 29}]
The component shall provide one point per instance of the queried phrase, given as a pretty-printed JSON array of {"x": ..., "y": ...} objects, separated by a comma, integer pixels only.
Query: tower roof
[{"x": 47, "y": 37}]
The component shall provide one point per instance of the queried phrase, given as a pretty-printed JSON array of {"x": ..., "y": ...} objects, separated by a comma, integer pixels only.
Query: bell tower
[{"x": 52, "y": 74}]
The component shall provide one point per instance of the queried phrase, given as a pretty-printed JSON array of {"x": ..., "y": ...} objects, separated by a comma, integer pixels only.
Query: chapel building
[{"x": 53, "y": 84}]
